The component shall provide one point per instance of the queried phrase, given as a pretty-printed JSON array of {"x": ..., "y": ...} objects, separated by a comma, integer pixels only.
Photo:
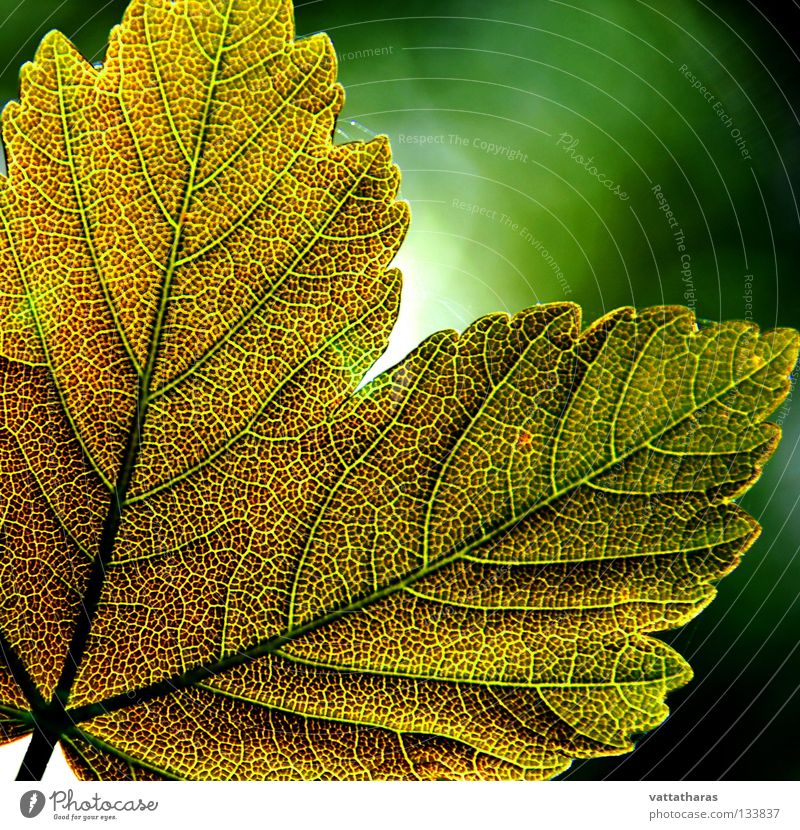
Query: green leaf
[{"x": 221, "y": 557}]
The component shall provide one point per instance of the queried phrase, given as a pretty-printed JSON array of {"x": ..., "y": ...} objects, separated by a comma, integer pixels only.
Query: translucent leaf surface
[{"x": 221, "y": 560}]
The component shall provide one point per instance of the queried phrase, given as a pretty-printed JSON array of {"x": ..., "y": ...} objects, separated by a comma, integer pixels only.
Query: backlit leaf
[{"x": 221, "y": 558}]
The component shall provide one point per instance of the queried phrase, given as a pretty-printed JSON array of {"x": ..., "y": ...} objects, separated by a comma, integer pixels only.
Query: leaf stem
[{"x": 38, "y": 754}]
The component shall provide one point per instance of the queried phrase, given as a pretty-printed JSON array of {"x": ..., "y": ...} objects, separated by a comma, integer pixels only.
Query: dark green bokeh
[{"x": 475, "y": 98}]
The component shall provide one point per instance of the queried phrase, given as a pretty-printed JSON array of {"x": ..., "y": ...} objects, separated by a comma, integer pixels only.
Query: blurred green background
[{"x": 535, "y": 137}]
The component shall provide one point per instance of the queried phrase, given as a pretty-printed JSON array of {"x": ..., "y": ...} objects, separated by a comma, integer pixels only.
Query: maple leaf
[{"x": 221, "y": 558}]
